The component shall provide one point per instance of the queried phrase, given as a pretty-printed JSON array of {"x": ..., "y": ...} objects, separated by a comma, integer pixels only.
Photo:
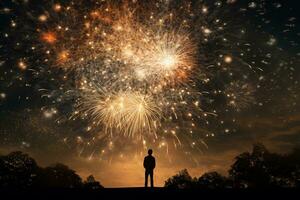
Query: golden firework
[{"x": 129, "y": 113}]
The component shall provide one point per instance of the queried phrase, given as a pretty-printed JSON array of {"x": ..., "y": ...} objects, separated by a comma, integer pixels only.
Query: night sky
[{"x": 201, "y": 81}]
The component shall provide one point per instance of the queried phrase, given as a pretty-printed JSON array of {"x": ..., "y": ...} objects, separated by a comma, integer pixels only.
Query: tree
[
  {"x": 213, "y": 180},
  {"x": 292, "y": 168},
  {"x": 17, "y": 170},
  {"x": 91, "y": 183},
  {"x": 59, "y": 176},
  {"x": 258, "y": 169},
  {"x": 182, "y": 180}
]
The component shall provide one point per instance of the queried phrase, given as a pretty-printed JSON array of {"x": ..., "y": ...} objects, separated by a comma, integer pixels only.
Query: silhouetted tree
[
  {"x": 17, "y": 170},
  {"x": 91, "y": 183},
  {"x": 291, "y": 170},
  {"x": 257, "y": 169},
  {"x": 182, "y": 180},
  {"x": 59, "y": 176},
  {"x": 251, "y": 169},
  {"x": 213, "y": 180},
  {"x": 261, "y": 169}
]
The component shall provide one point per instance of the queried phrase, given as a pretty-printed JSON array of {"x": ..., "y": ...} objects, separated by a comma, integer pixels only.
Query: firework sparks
[
  {"x": 49, "y": 37},
  {"x": 127, "y": 113},
  {"x": 150, "y": 71},
  {"x": 162, "y": 66},
  {"x": 240, "y": 95}
]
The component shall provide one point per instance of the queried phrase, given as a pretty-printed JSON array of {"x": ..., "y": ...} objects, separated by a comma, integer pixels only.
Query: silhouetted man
[{"x": 149, "y": 165}]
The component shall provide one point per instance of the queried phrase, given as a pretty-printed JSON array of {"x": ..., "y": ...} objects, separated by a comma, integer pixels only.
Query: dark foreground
[{"x": 142, "y": 193}]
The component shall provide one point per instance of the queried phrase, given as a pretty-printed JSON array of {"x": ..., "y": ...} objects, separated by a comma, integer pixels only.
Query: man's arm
[
  {"x": 144, "y": 164},
  {"x": 154, "y": 163}
]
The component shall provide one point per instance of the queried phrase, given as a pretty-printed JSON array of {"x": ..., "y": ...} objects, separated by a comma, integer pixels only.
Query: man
[{"x": 149, "y": 165}]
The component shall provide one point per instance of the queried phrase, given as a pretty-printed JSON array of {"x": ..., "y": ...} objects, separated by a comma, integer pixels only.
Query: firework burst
[
  {"x": 148, "y": 71},
  {"x": 127, "y": 113}
]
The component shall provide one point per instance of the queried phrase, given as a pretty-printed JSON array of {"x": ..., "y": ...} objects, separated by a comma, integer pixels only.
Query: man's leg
[
  {"x": 151, "y": 178},
  {"x": 146, "y": 179}
]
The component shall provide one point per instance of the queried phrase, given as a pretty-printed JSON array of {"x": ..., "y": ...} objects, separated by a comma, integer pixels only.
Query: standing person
[{"x": 149, "y": 165}]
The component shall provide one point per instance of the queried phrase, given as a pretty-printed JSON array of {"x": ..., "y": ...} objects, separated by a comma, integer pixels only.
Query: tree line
[
  {"x": 257, "y": 169},
  {"x": 19, "y": 171}
]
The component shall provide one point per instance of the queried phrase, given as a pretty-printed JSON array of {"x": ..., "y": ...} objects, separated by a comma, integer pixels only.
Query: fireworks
[
  {"x": 131, "y": 114},
  {"x": 228, "y": 59},
  {"x": 155, "y": 67},
  {"x": 146, "y": 52},
  {"x": 49, "y": 37},
  {"x": 63, "y": 56},
  {"x": 22, "y": 65},
  {"x": 146, "y": 64},
  {"x": 151, "y": 72},
  {"x": 240, "y": 95}
]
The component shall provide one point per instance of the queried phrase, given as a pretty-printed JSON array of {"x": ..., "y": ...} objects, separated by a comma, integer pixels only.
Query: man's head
[{"x": 150, "y": 151}]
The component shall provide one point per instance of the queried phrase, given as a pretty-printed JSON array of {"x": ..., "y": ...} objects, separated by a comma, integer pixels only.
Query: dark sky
[{"x": 248, "y": 50}]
